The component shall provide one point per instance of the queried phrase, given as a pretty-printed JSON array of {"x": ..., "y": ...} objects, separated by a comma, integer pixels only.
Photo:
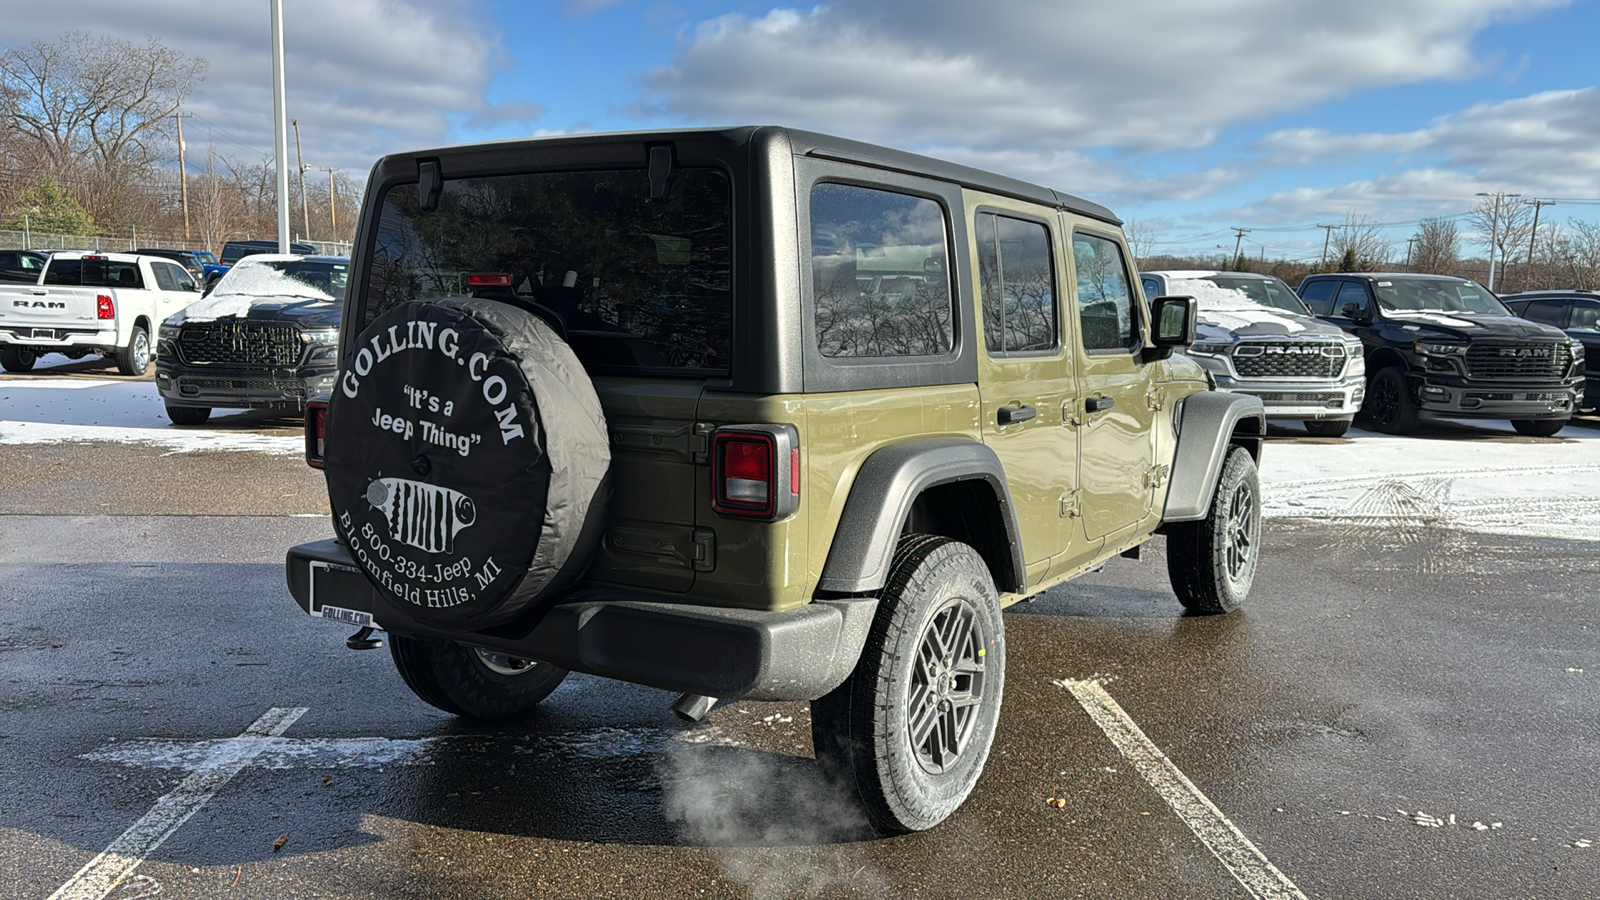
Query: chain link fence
[{"x": 44, "y": 240}]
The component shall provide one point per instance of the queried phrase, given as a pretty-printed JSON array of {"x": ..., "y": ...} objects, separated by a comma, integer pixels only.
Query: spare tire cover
[{"x": 466, "y": 461}]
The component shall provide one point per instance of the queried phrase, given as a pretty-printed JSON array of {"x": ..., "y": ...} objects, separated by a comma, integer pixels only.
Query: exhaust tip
[{"x": 693, "y": 707}]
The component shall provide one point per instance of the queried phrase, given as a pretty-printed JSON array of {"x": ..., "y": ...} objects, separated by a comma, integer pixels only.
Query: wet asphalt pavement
[{"x": 1379, "y": 674}]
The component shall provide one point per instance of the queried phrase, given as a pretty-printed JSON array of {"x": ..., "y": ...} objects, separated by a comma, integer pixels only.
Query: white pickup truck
[{"x": 106, "y": 303}]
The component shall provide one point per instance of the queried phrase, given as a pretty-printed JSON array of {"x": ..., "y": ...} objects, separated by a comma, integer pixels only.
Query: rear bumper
[
  {"x": 52, "y": 340},
  {"x": 794, "y": 654}
]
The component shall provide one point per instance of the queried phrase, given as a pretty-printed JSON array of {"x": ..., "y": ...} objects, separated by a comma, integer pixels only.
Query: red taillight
[
  {"x": 488, "y": 279},
  {"x": 755, "y": 471},
  {"x": 316, "y": 432},
  {"x": 104, "y": 308}
]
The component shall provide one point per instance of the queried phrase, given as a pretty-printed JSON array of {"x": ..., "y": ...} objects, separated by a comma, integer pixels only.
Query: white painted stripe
[
  {"x": 103, "y": 873},
  {"x": 1240, "y": 857}
]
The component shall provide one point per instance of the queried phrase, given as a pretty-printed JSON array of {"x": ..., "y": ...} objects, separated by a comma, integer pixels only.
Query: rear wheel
[
  {"x": 1389, "y": 402},
  {"x": 1327, "y": 427},
  {"x": 1538, "y": 427},
  {"x": 134, "y": 359},
  {"x": 188, "y": 415},
  {"x": 1212, "y": 562},
  {"x": 910, "y": 729},
  {"x": 18, "y": 359},
  {"x": 471, "y": 681}
]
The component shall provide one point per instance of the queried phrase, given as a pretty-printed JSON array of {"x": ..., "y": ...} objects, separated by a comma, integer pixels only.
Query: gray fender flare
[
  {"x": 1206, "y": 428},
  {"x": 880, "y": 502}
]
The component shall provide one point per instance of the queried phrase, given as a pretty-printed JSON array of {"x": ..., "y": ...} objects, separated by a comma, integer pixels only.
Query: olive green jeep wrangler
[{"x": 755, "y": 413}]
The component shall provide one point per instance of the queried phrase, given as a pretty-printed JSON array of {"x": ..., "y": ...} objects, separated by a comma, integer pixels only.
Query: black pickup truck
[{"x": 1437, "y": 345}]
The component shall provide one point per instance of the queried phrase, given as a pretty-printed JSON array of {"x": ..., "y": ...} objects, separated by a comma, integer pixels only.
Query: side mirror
[
  {"x": 1354, "y": 311},
  {"x": 1172, "y": 326}
]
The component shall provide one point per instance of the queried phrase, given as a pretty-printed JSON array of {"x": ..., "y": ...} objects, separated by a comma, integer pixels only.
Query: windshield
[
  {"x": 1269, "y": 292},
  {"x": 314, "y": 280},
  {"x": 205, "y": 258},
  {"x": 1211, "y": 296},
  {"x": 631, "y": 282},
  {"x": 1447, "y": 295}
]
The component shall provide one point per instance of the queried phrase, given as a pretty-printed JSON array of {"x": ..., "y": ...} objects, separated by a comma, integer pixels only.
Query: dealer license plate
[{"x": 329, "y": 581}]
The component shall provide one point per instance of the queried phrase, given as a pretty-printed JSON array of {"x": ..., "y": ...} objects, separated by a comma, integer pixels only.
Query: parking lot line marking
[
  {"x": 103, "y": 873},
  {"x": 1225, "y": 841}
]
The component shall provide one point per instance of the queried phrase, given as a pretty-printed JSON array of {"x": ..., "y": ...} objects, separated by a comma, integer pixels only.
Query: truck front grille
[
  {"x": 1543, "y": 361},
  {"x": 1289, "y": 359},
  {"x": 240, "y": 344}
]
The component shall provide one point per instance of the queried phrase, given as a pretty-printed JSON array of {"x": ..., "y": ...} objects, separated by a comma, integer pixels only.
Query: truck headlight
[
  {"x": 1439, "y": 348},
  {"x": 1209, "y": 348}
]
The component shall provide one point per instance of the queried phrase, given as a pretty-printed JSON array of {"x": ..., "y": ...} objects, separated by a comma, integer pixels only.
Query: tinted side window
[
  {"x": 64, "y": 271},
  {"x": 1350, "y": 292},
  {"x": 1017, "y": 285},
  {"x": 880, "y": 272},
  {"x": 163, "y": 275},
  {"x": 1105, "y": 301},
  {"x": 1550, "y": 312},
  {"x": 1317, "y": 295}
]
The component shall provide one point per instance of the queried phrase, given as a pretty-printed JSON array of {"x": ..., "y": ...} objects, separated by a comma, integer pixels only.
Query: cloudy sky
[{"x": 1191, "y": 118}]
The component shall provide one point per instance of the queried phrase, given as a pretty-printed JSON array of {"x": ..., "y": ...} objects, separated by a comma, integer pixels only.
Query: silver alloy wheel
[
  {"x": 947, "y": 686},
  {"x": 501, "y": 664},
  {"x": 141, "y": 349},
  {"x": 1241, "y": 532}
]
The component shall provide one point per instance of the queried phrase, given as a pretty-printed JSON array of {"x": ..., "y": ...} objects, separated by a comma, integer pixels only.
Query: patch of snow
[{"x": 52, "y": 411}]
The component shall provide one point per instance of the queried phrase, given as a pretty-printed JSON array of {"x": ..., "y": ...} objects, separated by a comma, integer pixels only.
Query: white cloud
[
  {"x": 1139, "y": 75},
  {"x": 363, "y": 77}
]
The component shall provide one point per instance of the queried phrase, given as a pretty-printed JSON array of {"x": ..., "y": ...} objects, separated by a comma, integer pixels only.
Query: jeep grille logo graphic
[
  {"x": 422, "y": 515},
  {"x": 1539, "y": 352}
]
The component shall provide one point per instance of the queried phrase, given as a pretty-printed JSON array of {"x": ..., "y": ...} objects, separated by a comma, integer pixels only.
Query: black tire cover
[{"x": 466, "y": 460}]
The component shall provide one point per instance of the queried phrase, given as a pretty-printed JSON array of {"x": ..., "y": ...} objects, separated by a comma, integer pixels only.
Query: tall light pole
[
  {"x": 280, "y": 128},
  {"x": 333, "y": 217},
  {"x": 1534, "y": 232},
  {"x": 183, "y": 178}
]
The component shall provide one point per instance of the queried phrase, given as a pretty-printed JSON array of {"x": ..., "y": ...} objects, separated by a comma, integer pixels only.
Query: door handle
[
  {"x": 1012, "y": 415},
  {"x": 1099, "y": 404}
]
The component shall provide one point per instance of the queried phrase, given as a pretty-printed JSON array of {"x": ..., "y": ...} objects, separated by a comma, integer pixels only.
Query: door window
[
  {"x": 1105, "y": 300},
  {"x": 1017, "y": 285},
  {"x": 1585, "y": 315},
  {"x": 1319, "y": 295},
  {"x": 1549, "y": 312},
  {"x": 164, "y": 279},
  {"x": 1351, "y": 302}
]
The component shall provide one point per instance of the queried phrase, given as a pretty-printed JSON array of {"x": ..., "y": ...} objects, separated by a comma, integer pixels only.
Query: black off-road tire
[
  {"x": 1389, "y": 403},
  {"x": 1538, "y": 427},
  {"x": 134, "y": 359},
  {"x": 460, "y": 680},
  {"x": 1212, "y": 562},
  {"x": 937, "y": 647},
  {"x": 1327, "y": 427},
  {"x": 188, "y": 415},
  {"x": 18, "y": 359}
]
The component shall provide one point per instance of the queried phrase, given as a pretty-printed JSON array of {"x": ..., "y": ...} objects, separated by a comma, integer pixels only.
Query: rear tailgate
[{"x": 23, "y": 309}]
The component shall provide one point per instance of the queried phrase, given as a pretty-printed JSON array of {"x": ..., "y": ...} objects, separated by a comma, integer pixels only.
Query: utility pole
[
  {"x": 1536, "y": 204},
  {"x": 280, "y": 137},
  {"x": 1238, "y": 244},
  {"x": 1494, "y": 229},
  {"x": 333, "y": 215},
  {"x": 183, "y": 177},
  {"x": 1410, "y": 242},
  {"x": 1326, "y": 237},
  {"x": 305, "y": 212}
]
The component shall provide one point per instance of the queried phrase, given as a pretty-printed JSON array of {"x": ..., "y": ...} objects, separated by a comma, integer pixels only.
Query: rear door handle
[
  {"x": 1012, "y": 415},
  {"x": 1099, "y": 404}
]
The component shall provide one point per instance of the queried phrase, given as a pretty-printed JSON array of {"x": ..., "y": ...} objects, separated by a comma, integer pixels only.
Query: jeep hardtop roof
[{"x": 806, "y": 143}]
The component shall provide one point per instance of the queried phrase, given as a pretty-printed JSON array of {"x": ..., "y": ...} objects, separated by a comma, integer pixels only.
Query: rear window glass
[
  {"x": 632, "y": 283},
  {"x": 92, "y": 272},
  {"x": 879, "y": 273}
]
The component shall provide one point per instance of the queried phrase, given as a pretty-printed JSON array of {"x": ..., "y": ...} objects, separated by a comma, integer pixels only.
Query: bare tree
[
  {"x": 1438, "y": 247},
  {"x": 1141, "y": 240},
  {"x": 1504, "y": 223},
  {"x": 1360, "y": 243},
  {"x": 1576, "y": 256}
]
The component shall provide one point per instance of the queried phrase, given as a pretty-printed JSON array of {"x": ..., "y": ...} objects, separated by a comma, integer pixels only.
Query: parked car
[
  {"x": 202, "y": 264},
  {"x": 106, "y": 303},
  {"x": 22, "y": 266},
  {"x": 264, "y": 338},
  {"x": 1575, "y": 312},
  {"x": 755, "y": 413},
  {"x": 1255, "y": 337},
  {"x": 1437, "y": 345},
  {"x": 233, "y": 251}
]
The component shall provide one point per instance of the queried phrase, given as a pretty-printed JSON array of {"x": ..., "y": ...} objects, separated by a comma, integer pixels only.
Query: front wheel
[
  {"x": 471, "y": 681},
  {"x": 910, "y": 729},
  {"x": 134, "y": 359},
  {"x": 1327, "y": 427},
  {"x": 1212, "y": 562},
  {"x": 1389, "y": 402},
  {"x": 1538, "y": 427},
  {"x": 18, "y": 359}
]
